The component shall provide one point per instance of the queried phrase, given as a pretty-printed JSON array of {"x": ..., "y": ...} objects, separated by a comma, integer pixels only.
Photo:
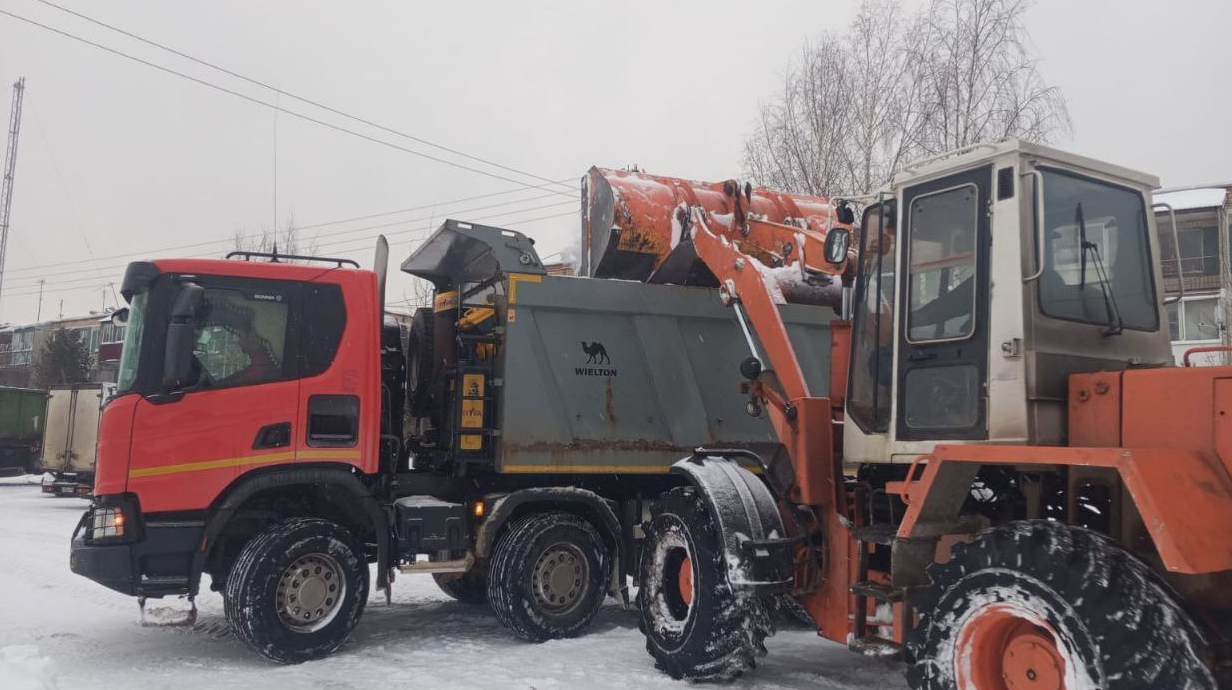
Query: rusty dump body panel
[
  {"x": 614, "y": 376},
  {"x": 629, "y": 223}
]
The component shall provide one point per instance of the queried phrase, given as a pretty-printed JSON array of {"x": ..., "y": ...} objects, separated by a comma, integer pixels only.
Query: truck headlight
[
  {"x": 107, "y": 522},
  {"x": 113, "y": 518}
]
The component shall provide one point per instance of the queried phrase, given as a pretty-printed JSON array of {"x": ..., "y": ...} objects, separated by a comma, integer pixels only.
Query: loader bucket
[{"x": 630, "y": 227}]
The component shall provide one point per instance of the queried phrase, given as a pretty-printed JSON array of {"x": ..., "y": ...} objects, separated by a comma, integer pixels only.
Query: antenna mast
[{"x": 10, "y": 165}]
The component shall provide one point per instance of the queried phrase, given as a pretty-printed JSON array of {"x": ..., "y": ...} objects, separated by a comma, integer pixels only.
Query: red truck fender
[{"x": 256, "y": 482}]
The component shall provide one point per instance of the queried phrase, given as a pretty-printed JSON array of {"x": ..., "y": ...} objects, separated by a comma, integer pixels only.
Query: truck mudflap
[{"x": 760, "y": 554}]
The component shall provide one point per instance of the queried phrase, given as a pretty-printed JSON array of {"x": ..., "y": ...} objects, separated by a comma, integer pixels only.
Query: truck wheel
[
  {"x": 696, "y": 625},
  {"x": 547, "y": 576},
  {"x": 297, "y": 590},
  {"x": 1042, "y": 606},
  {"x": 419, "y": 362},
  {"x": 470, "y": 587}
]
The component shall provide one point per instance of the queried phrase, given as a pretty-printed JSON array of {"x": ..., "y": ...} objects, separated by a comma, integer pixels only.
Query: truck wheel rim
[
  {"x": 1003, "y": 648},
  {"x": 672, "y": 589},
  {"x": 559, "y": 578},
  {"x": 310, "y": 592},
  {"x": 684, "y": 581}
]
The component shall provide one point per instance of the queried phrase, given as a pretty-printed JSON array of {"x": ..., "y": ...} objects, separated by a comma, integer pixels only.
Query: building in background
[
  {"x": 1201, "y": 317},
  {"x": 20, "y": 345}
]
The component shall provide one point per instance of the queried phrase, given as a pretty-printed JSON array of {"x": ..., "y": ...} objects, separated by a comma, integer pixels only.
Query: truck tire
[
  {"x": 419, "y": 354},
  {"x": 470, "y": 587},
  {"x": 290, "y": 564},
  {"x": 547, "y": 576},
  {"x": 696, "y": 626},
  {"x": 1041, "y": 605}
]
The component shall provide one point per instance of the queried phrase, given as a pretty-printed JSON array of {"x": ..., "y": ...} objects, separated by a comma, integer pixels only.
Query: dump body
[
  {"x": 618, "y": 376},
  {"x": 21, "y": 426}
]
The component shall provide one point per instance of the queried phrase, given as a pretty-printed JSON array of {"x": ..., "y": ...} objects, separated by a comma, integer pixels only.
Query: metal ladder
[{"x": 862, "y": 641}]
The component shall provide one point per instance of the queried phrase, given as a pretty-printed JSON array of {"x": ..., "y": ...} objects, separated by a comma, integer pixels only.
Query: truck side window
[
  {"x": 241, "y": 337},
  {"x": 872, "y": 333},
  {"x": 324, "y": 321}
]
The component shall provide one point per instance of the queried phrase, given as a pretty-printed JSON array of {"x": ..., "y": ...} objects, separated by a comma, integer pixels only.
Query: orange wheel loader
[{"x": 1008, "y": 483}]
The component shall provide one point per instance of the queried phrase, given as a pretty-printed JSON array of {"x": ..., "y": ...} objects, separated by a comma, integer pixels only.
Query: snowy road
[{"x": 58, "y": 630}]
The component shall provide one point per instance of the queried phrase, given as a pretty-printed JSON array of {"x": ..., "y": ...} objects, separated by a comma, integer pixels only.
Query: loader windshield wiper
[{"x": 1111, "y": 310}]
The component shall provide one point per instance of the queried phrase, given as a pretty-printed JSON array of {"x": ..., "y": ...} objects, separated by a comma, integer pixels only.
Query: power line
[
  {"x": 109, "y": 273},
  {"x": 301, "y": 99},
  {"x": 279, "y": 108},
  {"x": 194, "y": 245},
  {"x": 100, "y": 285},
  {"x": 105, "y": 271}
]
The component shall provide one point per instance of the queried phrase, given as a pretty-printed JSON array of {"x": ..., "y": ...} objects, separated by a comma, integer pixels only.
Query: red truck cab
[{"x": 229, "y": 369}]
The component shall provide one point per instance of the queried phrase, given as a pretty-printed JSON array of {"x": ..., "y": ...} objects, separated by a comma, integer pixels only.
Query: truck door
[
  {"x": 943, "y": 340},
  {"x": 57, "y": 429},
  {"x": 86, "y": 404},
  {"x": 241, "y": 410}
]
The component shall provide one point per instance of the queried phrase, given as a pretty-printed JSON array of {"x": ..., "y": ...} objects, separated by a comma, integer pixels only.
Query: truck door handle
[
  {"x": 273, "y": 436},
  {"x": 921, "y": 356}
]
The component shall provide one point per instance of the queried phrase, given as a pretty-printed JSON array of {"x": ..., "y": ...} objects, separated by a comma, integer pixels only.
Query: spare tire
[{"x": 419, "y": 360}]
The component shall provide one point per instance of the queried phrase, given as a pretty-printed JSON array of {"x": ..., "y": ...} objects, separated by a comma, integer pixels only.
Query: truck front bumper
[{"x": 157, "y": 561}]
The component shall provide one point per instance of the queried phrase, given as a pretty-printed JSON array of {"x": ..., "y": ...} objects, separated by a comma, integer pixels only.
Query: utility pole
[
  {"x": 38, "y": 315},
  {"x": 10, "y": 165}
]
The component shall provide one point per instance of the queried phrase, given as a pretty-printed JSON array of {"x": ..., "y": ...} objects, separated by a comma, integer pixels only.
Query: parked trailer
[
  {"x": 71, "y": 436},
  {"x": 21, "y": 428},
  {"x": 261, "y": 440}
]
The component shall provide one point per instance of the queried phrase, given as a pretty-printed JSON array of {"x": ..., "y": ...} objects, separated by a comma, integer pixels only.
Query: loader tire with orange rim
[
  {"x": 1037, "y": 605},
  {"x": 696, "y": 625}
]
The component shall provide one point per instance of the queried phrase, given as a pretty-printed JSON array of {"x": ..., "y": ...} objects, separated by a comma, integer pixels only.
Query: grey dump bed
[{"x": 615, "y": 376}]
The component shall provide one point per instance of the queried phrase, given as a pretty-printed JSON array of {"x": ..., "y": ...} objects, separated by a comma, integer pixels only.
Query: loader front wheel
[
  {"x": 1037, "y": 605},
  {"x": 547, "y": 576},
  {"x": 297, "y": 590},
  {"x": 696, "y": 625}
]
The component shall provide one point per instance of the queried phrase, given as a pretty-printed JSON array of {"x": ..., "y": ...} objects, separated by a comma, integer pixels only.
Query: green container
[{"x": 22, "y": 414}]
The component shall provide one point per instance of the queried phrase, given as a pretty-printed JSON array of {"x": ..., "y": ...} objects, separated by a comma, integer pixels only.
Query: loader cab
[{"x": 987, "y": 277}]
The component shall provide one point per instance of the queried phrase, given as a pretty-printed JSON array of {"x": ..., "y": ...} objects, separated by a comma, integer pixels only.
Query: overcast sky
[{"x": 119, "y": 161}]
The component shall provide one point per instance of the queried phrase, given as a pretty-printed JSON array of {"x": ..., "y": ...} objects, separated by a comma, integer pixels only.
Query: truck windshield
[
  {"x": 131, "y": 354},
  {"x": 1098, "y": 256}
]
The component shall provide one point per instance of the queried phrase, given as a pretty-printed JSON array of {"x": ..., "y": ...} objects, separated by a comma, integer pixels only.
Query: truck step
[
  {"x": 874, "y": 590},
  {"x": 459, "y": 565},
  {"x": 883, "y": 534},
  {"x": 878, "y": 647}
]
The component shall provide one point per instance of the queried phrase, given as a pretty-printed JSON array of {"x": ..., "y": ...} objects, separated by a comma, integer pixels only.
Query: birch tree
[{"x": 857, "y": 106}]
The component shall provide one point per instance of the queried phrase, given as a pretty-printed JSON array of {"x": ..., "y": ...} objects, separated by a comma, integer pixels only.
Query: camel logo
[{"x": 596, "y": 354}]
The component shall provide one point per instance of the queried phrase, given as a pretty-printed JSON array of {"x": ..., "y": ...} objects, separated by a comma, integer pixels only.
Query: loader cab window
[
  {"x": 941, "y": 256},
  {"x": 241, "y": 338},
  {"x": 870, "y": 393},
  {"x": 1098, "y": 268}
]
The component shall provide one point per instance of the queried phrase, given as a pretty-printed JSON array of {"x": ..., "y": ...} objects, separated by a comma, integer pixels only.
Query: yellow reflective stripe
[
  {"x": 245, "y": 460},
  {"x": 515, "y": 278}
]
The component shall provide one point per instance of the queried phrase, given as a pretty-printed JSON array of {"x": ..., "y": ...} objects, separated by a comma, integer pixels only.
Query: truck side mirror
[
  {"x": 838, "y": 241},
  {"x": 177, "y": 358}
]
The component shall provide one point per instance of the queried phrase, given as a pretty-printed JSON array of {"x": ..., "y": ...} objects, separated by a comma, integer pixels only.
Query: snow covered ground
[{"x": 58, "y": 630}]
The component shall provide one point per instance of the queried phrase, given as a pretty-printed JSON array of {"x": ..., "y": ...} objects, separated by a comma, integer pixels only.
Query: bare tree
[
  {"x": 976, "y": 70},
  {"x": 858, "y": 106},
  {"x": 286, "y": 240}
]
